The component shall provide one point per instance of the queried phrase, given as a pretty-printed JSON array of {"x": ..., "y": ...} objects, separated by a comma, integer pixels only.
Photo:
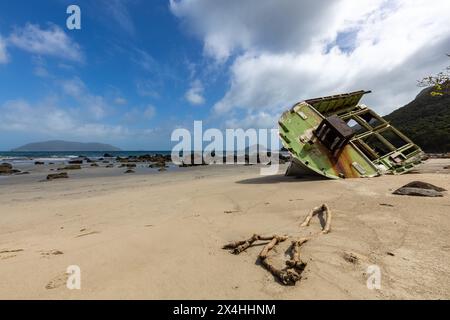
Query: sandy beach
[{"x": 159, "y": 235}]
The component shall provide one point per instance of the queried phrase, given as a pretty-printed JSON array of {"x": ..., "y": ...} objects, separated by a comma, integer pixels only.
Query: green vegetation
[
  {"x": 440, "y": 82},
  {"x": 425, "y": 120}
]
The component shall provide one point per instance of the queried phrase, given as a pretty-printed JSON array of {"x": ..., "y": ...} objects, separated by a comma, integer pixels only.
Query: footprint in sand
[
  {"x": 48, "y": 254},
  {"x": 7, "y": 254},
  {"x": 57, "y": 281},
  {"x": 10, "y": 251},
  {"x": 87, "y": 233},
  {"x": 231, "y": 211}
]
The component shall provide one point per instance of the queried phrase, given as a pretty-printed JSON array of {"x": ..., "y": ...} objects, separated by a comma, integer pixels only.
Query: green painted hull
[{"x": 357, "y": 157}]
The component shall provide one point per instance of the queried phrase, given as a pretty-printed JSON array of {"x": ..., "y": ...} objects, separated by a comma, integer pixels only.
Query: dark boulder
[
  {"x": 62, "y": 175},
  {"x": 71, "y": 167},
  {"x": 423, "y": 185},
  {"x": 76, "y": 162},
  {"x": 6, "y": 165},
  {"x": 7, "y": 168},
  {"x": 39, "y": 163},
  {"x": 128, "y": 165},
  {"x": 421, "y": 189},
  {"x": 161, "y": 164}
]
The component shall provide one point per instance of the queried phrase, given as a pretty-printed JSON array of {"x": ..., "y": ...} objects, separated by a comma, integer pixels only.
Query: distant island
[{"x": 59, "y": 145}]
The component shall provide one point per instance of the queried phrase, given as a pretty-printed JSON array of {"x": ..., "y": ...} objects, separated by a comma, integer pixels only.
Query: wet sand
[{"x": 158, "y": 235}]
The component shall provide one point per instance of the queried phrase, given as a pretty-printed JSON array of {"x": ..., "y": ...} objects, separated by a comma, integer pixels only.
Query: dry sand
[{"x": 159, "y": 236}]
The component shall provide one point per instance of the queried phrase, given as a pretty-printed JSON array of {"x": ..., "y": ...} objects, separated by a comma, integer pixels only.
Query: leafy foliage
[{"x": 439, "y": 82}]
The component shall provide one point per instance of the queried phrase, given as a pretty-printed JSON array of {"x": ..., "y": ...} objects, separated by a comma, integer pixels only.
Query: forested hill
[{"x": 426, "y": 121}]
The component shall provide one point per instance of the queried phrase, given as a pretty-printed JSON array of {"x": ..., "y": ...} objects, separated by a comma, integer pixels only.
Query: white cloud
[
  {"x": 52, "y": 41},
  {"x": 264, "y": 25},
  {"x": 148, "y": 88},
  {"x": 195, "y": 93},
  {"x": 40, "y": 68},
  {"x": 118, "y": 11},
  {"x": 149, "y": 112},
  {"x": 284, "y": 51},
  {"x": 120, "y": 101},
  {"x": 259, "y": 119},
  {"x": 52, "y": 120},
  {"x": 3, "y": 53},
  {"x": 138, "y": 115},
  {"x": 95, "y": 105},
  {"x": 143, "y": 59}
]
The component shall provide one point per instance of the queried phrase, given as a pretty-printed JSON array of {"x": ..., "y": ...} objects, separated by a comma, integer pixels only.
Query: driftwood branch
[
  {"x": 327, "y": 227},
  {"x": 239, "y": 246},
  {"x": 311, "y": 214},
  {"x": 296, "y": 261},
  {"x": 286, "y": 276},
  {"x": 326, "y": 211},
  {"x": 273, "y": 242},
  {"x": 294, "y": 267}
]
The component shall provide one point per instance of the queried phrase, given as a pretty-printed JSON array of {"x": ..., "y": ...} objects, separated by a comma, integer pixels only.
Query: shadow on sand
[{"x": 279, "y": 178}]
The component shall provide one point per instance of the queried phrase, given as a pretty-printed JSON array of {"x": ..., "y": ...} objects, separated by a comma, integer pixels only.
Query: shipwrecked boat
[{"x": 337, "y": 137}]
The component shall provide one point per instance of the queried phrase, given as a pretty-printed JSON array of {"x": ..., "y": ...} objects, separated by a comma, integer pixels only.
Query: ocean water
[
  {"x": 62, "y": 156},
  {"x": 59, "y": 156}
]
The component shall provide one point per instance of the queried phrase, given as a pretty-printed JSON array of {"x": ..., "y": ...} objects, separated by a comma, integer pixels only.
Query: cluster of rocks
[
  {"x": 197, "y": 159},
  {"x": 156, "y": 161},
  {"x": 7, "y": 169}
]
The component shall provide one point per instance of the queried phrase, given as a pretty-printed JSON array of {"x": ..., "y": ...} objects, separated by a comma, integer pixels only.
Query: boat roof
[{"x": 333, "y": 104}]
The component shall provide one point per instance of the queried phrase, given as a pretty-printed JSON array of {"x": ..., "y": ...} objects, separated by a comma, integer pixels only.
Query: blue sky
[
  {"x": 139, "y": 69},
  {"x": 131, "y": 58}
]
